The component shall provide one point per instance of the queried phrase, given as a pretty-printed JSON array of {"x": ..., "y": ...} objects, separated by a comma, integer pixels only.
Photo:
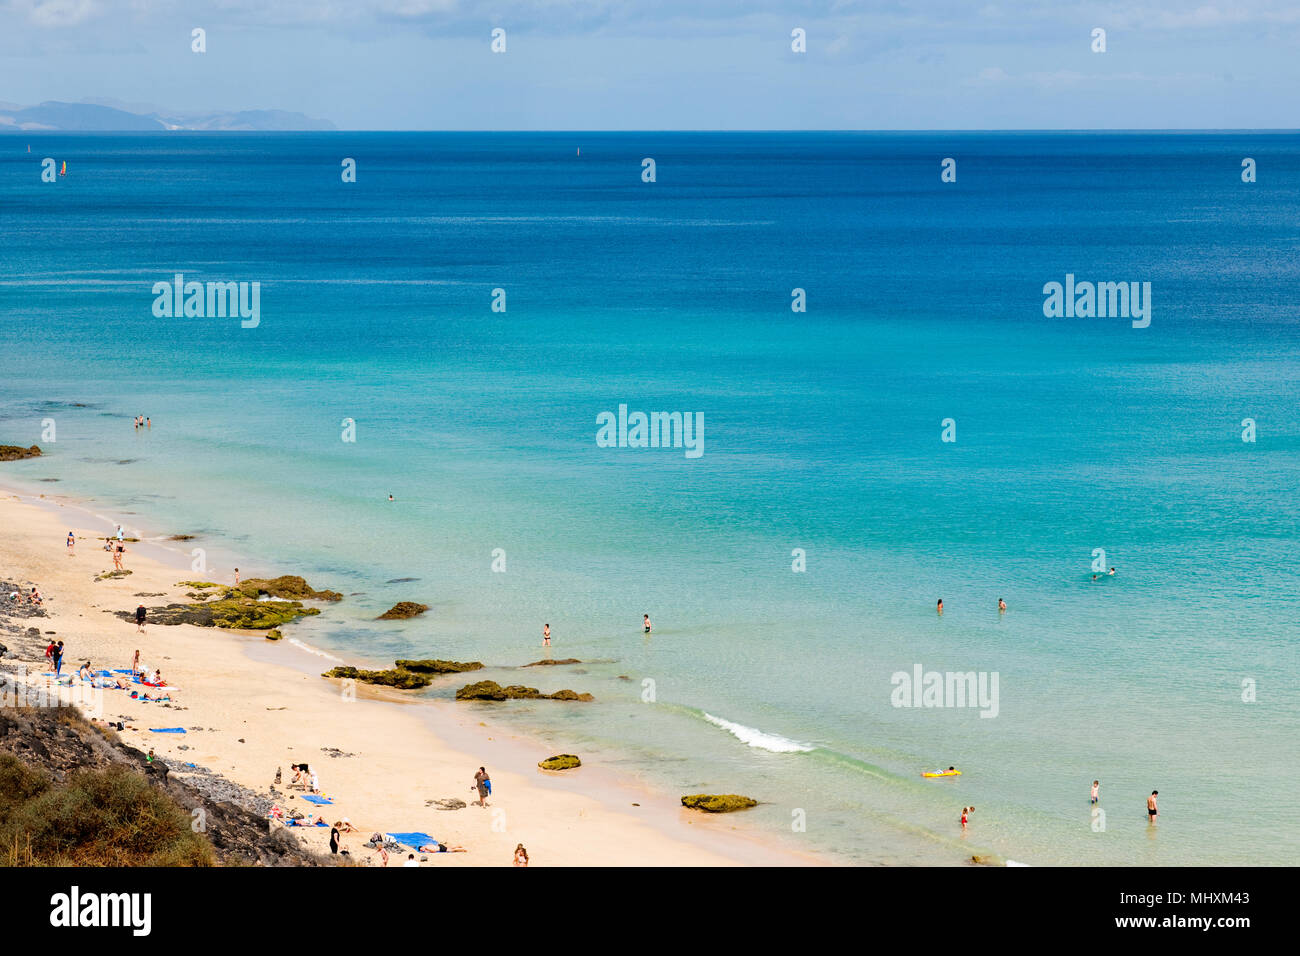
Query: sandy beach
[{"x": 251, "y": 706}]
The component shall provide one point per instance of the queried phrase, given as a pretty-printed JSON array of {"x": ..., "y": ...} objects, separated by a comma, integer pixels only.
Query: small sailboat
[
  {"x": 64, "y": 170},
  {"x": 579, "y": 153}
]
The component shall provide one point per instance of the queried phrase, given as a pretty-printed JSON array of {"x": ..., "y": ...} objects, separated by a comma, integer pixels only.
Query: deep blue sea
[{"x": 823, "y": 435}]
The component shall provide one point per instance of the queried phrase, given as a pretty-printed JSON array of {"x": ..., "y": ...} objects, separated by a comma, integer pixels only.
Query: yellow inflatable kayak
[{"x": 942, "y": 773}]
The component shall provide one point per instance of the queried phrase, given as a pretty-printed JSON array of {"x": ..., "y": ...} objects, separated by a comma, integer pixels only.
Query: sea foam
[{"x": 757, "y": 738}]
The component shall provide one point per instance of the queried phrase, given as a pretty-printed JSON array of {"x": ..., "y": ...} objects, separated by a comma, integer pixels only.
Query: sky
[{"x": 675, "y": 64}]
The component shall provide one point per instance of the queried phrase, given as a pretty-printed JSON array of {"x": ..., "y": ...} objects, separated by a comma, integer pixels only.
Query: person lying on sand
[
  {"x": 441, "y": 848},
  {"x": 345, "y": 826}
]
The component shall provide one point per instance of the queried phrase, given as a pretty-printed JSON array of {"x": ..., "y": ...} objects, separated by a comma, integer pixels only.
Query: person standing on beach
[
  {"x": 546, "y": 635},
  {"x": 120, "y": 533},
  {"x": 483, "y": 785},
  {"x": 236, "y": 577},
  {"x": 140, "y": 614},
  {"x": 334, "y": 839},
  {"x": 135, "y": 665},
  {"x": 72, "y": 543},
  {"x": 119, "y": 549},
  {"x": 49, "y": 653},
  {"x": 1096, "y": 785},
  {"x": 1152, "y": 810},
  {"x": 645, "y": 619},
  {"x": 57, "y": 659}
]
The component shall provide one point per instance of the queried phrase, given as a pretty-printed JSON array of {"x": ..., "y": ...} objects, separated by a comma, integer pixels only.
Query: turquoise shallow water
[{"x": 822, "y": 433}]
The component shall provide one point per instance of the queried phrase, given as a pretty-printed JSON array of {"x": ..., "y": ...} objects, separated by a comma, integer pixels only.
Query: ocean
[{"x": 792, "y": 569}]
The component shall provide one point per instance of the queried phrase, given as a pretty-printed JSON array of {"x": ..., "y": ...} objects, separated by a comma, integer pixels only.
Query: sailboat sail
[{"x": 64, "y": 170}]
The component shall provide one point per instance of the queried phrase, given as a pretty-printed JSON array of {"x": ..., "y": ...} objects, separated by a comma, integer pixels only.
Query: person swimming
[{"x": 1002, "y": 605}]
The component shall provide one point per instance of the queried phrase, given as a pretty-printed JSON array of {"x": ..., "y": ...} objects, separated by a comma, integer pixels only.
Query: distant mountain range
[{"x": 98, "y": 117}]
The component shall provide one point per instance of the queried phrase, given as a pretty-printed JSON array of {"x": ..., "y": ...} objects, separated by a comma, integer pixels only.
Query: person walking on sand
[
  {"x": 119, "y": 549},
  {"x": 645, "y": 619},
  {"x": 546, "y": 635},
  {"x": 140, "y": 614},
  {"x": 72, "y": 544},
  {"x": 1096, "y": 786},
  {"x": 1153, "y": 812},
  {"x": 483, "y": 785},
  {"x": 49, "y": 652}
]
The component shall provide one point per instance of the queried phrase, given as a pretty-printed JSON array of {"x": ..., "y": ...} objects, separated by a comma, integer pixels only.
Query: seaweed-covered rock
[
  {"x": 491, "y": 690},
  {"x": 274, "y": 634},
  {"x": 16, "y": 452},
  {"x": 110, "y": 575},
  {"x": 439, "y": 667},
  {"x": 571, "y": 695},
  {"x": 289, "y": 587},
  {"x": 240, "y": 613},
  {"x": 402, "y": 610},
  {"x": 482, "y": 690},
  {"x": 718, "y": 802},
  {"x": 200, "y": 585},
  {"x": 554, "y": 663},
  {"x": 560, "y": 762},
  {"x": 397, "y": 677}
]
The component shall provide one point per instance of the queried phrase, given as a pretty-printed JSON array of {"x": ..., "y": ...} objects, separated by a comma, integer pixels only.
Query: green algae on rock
[
  {"x": 560, "y": 762},
  {"x": 439, "y": 667},
  {"x": 402, "y": 610},
  {"x": 491, "y": 690},
  {"x": 718, "y": 802},
  {"x": 396, "y": 677},
  {"x": 17, "y": 452}
]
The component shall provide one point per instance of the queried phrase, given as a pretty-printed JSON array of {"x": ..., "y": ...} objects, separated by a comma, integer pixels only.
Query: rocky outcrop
[
  {"x": 16, "y": 452},
  {"x": 111, "y": 575},
  {"x": 402, "y": 610},
  {"x": 217, "y": 605},
  {"x": 288, "y": 587},
  {"x": 274, "y": 635},
  {"x": 396, "y": 677},
  {"x": 491, "y": 690},
  {"x": 560, "y": 762},
  {"x": 77, "y": 794},
  {"x": 718, "y": 802},
  {"x": 439, "y": 667},
  {"x": 240, "y": 613}
]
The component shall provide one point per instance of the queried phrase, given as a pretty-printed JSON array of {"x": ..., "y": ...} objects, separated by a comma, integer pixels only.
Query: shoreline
[{"x": 582, "y": 819}]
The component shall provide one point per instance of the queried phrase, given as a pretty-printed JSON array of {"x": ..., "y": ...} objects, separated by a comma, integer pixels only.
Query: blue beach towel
[
  {"x": 413, "y": 840},
  {"x": 167, "y": 730},
  {"x": 123, "y": 670},
  {"x": 312, "y": 798}
]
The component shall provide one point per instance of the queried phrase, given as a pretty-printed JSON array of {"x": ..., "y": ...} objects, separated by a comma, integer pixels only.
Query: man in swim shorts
[
  {"x": 1152, "y": 810},
  {"x": 1095, "y": 785},
  {"x": 646, "y": 620}
]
